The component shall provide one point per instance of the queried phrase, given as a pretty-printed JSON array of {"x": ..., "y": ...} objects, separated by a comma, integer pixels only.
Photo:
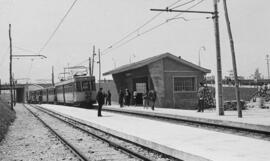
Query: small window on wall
[
  {"x": 141, "y": 87},
  {"x": 182, "y": 84}
]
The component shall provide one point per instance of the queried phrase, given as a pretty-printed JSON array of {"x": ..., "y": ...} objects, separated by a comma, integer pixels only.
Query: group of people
[
  {"x": 149, "y": 99},
  {"x": 125, "y": 98}
]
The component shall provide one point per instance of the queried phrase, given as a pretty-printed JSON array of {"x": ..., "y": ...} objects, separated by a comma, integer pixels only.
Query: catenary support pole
[
  {"x": 219, "y": 90},
  {"x": 14, "y": 90},
  {"x": 90, "y": 71},
  {"x": 237, "y": 93},
  {"x": 52, "y": 76},
  {"x": 267, "y": 61},
  {"x": 93, "y": 60},
  {"x": 10, "y": 69},
  {"x": 99, "y": 75}
]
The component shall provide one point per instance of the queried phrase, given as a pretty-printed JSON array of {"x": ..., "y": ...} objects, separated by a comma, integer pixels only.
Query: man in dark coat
[
  {"x": 100, "y": 99},
  {"x": 201, "y": 97},
  {"x": 127, "y": 97},
  {"x": 152, "y": 98},
  {"x": 108, "y": 99},
  {"x": 121, "y": 98}
]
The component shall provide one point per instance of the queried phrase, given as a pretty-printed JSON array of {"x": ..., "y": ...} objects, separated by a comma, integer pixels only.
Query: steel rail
[
  {"x": 111, "y": 143},
  {"x": 73, "y": 149}
]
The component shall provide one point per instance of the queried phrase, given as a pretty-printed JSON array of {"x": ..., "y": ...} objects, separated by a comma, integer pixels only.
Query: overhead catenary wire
[
  {"x": 25, "y": 50},
  {"x": 182, "y": 4},
  {"x": 131, "y": 33},
  {"x": 153, "y": 28},
  {"x": 139, "y": 28},
  {"x": 57, "y": 27}
]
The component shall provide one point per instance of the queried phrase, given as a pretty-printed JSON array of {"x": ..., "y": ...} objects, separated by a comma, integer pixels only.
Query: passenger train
[{"x": 79, "y": 90}]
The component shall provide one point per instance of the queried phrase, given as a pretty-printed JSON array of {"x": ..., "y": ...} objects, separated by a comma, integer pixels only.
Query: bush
[{"x": 7, "y": 116}]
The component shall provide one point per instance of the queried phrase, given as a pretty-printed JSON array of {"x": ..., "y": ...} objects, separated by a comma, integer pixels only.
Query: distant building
[{"x": 174, "y": 79}]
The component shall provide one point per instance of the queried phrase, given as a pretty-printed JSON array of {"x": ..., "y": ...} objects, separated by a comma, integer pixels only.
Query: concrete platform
[
  {"x": 254, "y": 119},
  {"x": 184, "y": 142}
]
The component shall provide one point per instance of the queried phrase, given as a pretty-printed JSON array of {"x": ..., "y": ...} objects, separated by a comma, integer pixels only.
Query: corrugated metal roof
[{"x": 154, "y": 59}]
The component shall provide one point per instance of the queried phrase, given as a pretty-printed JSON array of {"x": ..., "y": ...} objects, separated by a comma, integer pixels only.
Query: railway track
[
  {"x": 248, "y": 132},
  {"x": 115, "y": 148}
]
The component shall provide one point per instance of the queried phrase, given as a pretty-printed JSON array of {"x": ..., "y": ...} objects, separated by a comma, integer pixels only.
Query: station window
[
  {"x": 182, "y": 84},
  {"x": 141, "y": 87}
]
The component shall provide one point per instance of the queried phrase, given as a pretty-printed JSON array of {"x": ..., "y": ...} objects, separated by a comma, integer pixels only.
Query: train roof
[{"x": 74, "y": 79}]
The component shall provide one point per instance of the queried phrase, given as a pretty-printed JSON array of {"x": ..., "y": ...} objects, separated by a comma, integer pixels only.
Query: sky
[{"x": 104, "y": 22}]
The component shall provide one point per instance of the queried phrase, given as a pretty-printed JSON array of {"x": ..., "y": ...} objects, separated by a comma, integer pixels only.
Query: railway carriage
[
  {"x": 76, "y": 91},
  {"x": 45, "y": 95},
  {"x": 35, "y": 96},
  {"x": 51, "y": 95}
]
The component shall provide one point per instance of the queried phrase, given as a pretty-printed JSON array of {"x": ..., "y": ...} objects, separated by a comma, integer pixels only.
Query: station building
[{"x": 174, "y": 79}]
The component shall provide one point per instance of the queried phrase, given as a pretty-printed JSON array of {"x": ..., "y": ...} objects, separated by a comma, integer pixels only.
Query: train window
[
  {"x": 68, "y": 88},
  {"x": 78, "y": 86},
  {"x": 59, "y": 89},
  {"x": 85, "y": 86},
  {"x": 93, "y": 85}
]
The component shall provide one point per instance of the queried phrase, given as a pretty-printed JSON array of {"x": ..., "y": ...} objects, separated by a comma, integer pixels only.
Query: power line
[
  {"x": 26, "y": 50},
  {"x": 140, "y": 27},
  {"x": 57, "y": 27},
  {"x": 153, "y": 28},
  {"x": 196, "y": 4},
  {"x": 182, "y": 4}
]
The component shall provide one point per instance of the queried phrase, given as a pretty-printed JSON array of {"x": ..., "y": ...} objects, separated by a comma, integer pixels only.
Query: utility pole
[
  {"x": 14, "y": 89},
  {"x": 237, "y": 93},
  {"x": 90, "y": 73},
  {"x": 93, "y": 60},
  {"x": 52, "y": 75},
  {"x": 99, "y": 75},
  {"x": 267, "y": 61},
  {"x": 10, "y": 68},
  {"x": 219, "y": 92}
]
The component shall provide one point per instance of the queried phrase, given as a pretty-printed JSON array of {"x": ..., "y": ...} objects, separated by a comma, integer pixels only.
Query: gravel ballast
[{"x": 28, "y": 139}]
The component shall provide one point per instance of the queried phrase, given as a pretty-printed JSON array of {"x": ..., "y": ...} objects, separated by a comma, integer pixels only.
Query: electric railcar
[{"x": 76, "y": 91}]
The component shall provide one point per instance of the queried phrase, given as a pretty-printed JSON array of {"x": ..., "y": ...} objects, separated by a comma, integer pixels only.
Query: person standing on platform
[
  {"x": 201, "y": 95},
  {"x": 108, "y": 100},
  {"x": 121, "y": 98},
  {"x": 100, "y": 100},
  {"x": 135, "y": 97},
  {"x": 145, "y": 100},
  {"x": 152, "y": 98},
  {"x": 127, "y": 97}
]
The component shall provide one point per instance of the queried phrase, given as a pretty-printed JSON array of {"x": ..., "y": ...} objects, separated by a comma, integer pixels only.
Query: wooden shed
[{"x": 174, "y": 79}]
